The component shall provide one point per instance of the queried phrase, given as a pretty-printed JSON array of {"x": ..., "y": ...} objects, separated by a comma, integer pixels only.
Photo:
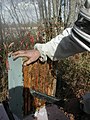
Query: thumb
[{"x": 27, "y": 62}]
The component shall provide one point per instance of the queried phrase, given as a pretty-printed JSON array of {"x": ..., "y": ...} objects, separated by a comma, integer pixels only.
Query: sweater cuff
[{"x": 39, "y": 47}]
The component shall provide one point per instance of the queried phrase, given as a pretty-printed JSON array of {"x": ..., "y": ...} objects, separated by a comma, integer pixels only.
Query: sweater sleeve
[{"x": 59, "y": 47}]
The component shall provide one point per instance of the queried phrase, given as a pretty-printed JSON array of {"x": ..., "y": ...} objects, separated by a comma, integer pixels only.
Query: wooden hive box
[{"x": 21, "y": 79}]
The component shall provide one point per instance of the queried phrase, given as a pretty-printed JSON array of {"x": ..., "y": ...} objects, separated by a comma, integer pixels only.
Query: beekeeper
[{"x": 72, "y": 41}]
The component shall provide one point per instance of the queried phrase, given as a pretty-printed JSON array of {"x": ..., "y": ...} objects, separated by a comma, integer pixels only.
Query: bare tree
[
  {"x": 45, "y": 7},
  {"x": 49, "y": 9},
  {"x": 54, "y": 7},
  {"x": 46, "y": 11},
  {"x": 74, "y": 7},
  {"x": 33, "y": 1},
  {"x": 41, "y": 9},
  {"x": 1, "y": 35},
  {"x": 15, "y": 13},
  {"x": 57, "y": 7}
]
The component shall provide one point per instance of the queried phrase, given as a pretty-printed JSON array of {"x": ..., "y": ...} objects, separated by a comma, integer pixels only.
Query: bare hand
[{"x": 32, "y": 55}]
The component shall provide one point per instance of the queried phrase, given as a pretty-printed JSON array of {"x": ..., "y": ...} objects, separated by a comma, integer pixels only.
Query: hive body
[{"x": 37, "y": 76}]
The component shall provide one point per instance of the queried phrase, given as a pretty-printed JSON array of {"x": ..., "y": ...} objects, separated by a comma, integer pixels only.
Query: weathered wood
[{"x": 37, "y": 76}]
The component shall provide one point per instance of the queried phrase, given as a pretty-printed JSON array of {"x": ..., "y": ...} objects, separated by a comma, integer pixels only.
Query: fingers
[
  {"x": 19, "y": 54},
  {"x": 28, "y": 62},
  {"x": 32, "y": 55},
  {"x": 10, "y": 53}
]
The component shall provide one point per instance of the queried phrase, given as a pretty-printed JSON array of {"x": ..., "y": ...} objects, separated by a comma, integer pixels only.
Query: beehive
[{"x": 37, "y": 76}]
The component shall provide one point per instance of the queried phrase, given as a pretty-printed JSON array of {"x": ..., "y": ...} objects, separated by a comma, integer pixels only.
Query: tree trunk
[
  {"x": 35, "y": 8},
  {"x": 45, "y": 7},
  {"x": 57, "y": 7},
  {"x": 41, "y": 9},
  {"x": 54, "y": 7},
  {"x": 49, "y": 9},
  {"x": 1, "y": 35},
  {"x": 71, "y": 15}
]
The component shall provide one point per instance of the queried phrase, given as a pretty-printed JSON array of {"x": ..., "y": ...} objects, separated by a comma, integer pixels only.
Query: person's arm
[{"x": 61, "y": 46}]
